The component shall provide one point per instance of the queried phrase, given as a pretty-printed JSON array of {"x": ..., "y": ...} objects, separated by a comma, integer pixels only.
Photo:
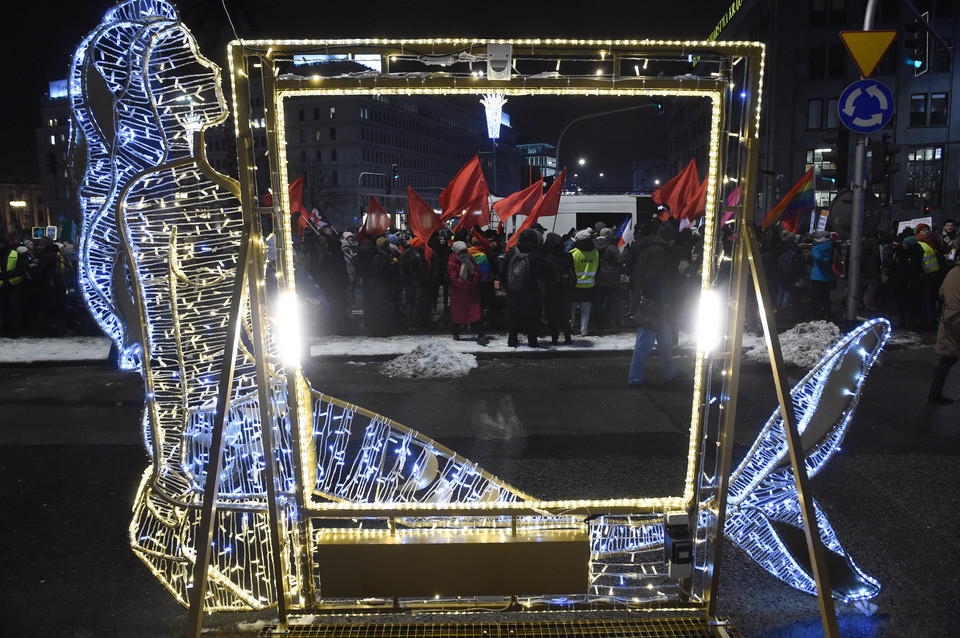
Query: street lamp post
[{"x": 584, "y": 117}]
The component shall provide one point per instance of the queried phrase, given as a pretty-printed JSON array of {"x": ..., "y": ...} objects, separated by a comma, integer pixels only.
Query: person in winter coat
[
  {"x": 524, "y": 278},
  {"x": 948, "y": 335},
  {"x": 586, "y": 260},
  {"x": 649, "y": 264},
  {"x": 822, "y": 279},
  {"x": 870, "y": 271},
  {"x": 416, "y": 280},
  {"x": 330, "y": 273},
  {"x": 560, "y": 278},
  {"x": 380, "y": 271},
  {"x": 607, "y": 289},
  {"x": 906, "y": 281},
  {"x": 465, "y": 306}
]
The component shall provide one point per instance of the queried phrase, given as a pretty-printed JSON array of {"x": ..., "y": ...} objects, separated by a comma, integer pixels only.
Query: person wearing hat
[
  {"x": 465, "y": 306},
  {"x": 525, "y": 283},
  {"x": 822, "y": 278},
  {"x": 12, "y": 274},
  {"x": 934, "y": 268},
  {"x": 586, "y": 259},
  {"x": 607, "y": 289}
]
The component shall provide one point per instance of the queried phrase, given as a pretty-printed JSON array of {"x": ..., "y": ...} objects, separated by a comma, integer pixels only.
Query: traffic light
[
  {"x": 883, "y": 159},
  {"x": 396, "y": 172},
  {"x": 916, "y": 41},
  {"x": 837, "y": 155}
]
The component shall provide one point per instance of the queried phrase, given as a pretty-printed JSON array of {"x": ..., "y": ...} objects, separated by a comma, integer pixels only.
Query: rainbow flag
[{"x": 798, "y": 200}]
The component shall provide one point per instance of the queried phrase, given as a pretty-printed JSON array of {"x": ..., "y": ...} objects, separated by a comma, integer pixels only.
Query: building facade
[
  {"x": 349, "y": 148},
  {"x": 808, "y": 68},
  {"x": 60, "y": 205}
]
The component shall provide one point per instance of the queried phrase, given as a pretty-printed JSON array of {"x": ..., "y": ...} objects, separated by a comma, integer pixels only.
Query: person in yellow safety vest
[
  {"x": 586, "y": 260},
  {"x": 11, "y": 276},
  {"x": 932, "y": 274}
]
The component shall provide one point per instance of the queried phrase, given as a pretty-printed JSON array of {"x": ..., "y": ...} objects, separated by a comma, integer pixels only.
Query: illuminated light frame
[{"x": 314, "y": 85}]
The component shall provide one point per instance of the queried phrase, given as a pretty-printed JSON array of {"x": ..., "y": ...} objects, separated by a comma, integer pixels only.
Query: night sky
[{"x": 37, "y": 46}]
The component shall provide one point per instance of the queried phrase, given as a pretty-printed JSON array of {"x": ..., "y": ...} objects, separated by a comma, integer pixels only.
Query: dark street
[{"x": 71, "y": 459}]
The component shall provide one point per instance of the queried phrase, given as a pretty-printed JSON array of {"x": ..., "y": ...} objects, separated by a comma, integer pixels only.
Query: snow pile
[
  {"x": 430, "y": 359},
  {"x": 34, "y": 350},
  {"x": 803, "y": 345}
]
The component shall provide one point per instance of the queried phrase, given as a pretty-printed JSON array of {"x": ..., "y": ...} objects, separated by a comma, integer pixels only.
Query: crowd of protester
[
  {"x": 900, "y": 273},
  {"x": 543, "y": 285},
  {"x": 39, "y": 295}
]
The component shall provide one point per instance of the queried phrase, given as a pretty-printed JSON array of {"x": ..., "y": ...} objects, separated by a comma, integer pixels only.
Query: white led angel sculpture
[
  {"x": 98, "y": 80},
  {"x": 178, "y": 227}
]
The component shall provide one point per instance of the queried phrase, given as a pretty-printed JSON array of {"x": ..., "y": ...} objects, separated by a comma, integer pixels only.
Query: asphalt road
[{"x": 71, "y": 459}]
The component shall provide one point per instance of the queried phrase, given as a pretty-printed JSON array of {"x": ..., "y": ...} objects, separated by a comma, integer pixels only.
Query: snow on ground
[
  {"x": 33, "y": 350},
  {"x": 802, "y": 345},
  {"x": 430, "y": 359}
]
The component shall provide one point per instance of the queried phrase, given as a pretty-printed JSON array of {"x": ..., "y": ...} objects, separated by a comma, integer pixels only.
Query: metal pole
[{"x": 856, "y": 215}]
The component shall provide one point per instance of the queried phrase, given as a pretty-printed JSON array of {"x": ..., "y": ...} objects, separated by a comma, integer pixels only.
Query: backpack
[
  {"x": 789, "y": 262},
  {"x": 568, "y": 275},
  {"x": 519, "y": 271}
]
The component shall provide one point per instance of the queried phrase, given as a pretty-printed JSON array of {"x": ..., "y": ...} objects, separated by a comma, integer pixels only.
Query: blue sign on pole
[{"x": 865, "y": 106}]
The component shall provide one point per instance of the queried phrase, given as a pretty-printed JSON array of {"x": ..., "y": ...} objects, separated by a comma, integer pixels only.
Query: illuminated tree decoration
[{"x": 163, "y": 231}]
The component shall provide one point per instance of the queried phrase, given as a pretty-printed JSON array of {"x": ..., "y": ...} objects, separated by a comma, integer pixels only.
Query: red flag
[
  {"x": 547, "y": 207},
  {"x": 300, "y": 225},
  {"x": 678, "y": 191},
  {"x": 522, "y": 203},
  {"x": 424, "y": 222},
  {"x": 376, "y": 222},
  {"x": 483, "y": 240},
  {"x": 295, "y": 191},
  {"x": 468, "y": 187},
  {"x": 471, "y": 219},
  {"x": 697, "y": 206}
]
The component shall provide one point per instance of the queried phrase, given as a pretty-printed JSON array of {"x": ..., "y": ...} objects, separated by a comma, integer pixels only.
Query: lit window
[{"x": 333, "y": 112}]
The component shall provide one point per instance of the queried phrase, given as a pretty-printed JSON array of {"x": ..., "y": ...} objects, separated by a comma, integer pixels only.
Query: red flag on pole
[
  {"x": 696, "y": 207},
  {"x": 522, "y": 203},
  {"x": 468, "y": 187},
  {"x": 480, "y": 238},
  {"x": 472, "y": 218},
  {"x": 295, "y": 191},
  {"x": 424, "y": 222},
  {"x": 376, "y": 222},
  {"x": 547, "y": 207},
  {"x": 678, "y": 191}
]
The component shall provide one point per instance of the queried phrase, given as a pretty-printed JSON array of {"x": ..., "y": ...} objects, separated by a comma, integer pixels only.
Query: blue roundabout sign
[{"x": 865, "y": 106}]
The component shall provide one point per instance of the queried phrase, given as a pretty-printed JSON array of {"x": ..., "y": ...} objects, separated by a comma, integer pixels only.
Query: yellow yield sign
[{"x": 867, "y": 48}]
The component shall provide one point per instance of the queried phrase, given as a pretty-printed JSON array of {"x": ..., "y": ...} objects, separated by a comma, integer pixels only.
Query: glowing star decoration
[
  {"x": 493, "y": 108},
  {"x": 157, "y": 213}
]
